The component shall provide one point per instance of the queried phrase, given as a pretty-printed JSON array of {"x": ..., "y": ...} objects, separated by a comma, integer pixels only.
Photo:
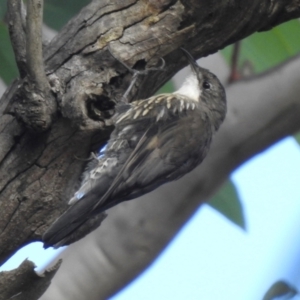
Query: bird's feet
[{"x": 135, "y": 73}]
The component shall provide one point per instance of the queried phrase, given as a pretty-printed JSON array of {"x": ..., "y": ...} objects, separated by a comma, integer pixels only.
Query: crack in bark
[
  {"x": 12, "y": 149},
  {"x": 113, "y": 11},
  {"x": 7, "y": 124},
  {"x": 81, "y": 50},
  {"x": 155, "y": 38},
  {"x": 59, "y": 153},
  {"x": 75, "y": 34},
  {"x": 59, "y": 137},
  {"x": 15, "y": 177},
  {"x": 11, "y": 217}
]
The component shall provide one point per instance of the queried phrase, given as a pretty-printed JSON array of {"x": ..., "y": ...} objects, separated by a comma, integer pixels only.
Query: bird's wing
[
  {"x": 80, "y": 212},
  {"x": 157, "y": 158},
  {"x": 132, "y": 160}
]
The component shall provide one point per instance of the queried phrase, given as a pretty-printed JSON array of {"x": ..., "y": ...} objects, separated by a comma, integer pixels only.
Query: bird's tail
[
  {"x": 74, "y": 224},
  {"x": 57, "y": 236}
]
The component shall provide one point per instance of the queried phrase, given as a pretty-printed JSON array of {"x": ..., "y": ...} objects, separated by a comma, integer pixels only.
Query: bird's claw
[{"x": 135, "y": 73}]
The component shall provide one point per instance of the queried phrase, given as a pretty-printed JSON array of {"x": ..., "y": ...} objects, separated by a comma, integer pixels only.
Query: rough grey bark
[
  {"x": 38, "y": 165},
  {"x": 24, "y": 283}
]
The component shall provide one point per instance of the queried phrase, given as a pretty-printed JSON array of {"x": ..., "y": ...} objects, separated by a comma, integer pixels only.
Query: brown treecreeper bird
[{"x": 155, "y": 141}]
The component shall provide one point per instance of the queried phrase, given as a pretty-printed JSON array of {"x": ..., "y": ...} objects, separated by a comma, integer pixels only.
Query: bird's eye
[{"x": 206, "y": 85}]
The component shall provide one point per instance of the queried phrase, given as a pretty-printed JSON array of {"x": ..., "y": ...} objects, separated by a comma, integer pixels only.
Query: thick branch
[{"x": 24, "y": 283}]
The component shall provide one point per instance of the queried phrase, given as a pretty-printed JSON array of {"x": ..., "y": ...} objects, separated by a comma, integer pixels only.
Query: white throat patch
[{"x": 190, "y": 88}]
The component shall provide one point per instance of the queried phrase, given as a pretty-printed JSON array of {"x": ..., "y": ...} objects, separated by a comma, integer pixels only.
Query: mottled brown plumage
[{"x": 155, "y": 141}]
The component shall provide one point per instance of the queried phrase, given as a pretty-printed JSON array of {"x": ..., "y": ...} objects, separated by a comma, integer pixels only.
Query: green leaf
[
  {"x": 227, "y": 202},
  {"x": 297, "y": 137},
  {"x": 280, "y": 290},
  {"x": 267, "y": 49},
  {"x": 8, "y": 67},
  {"x": 57, "y": 12},
  {"x": 3, "y": 6},
  {"x": 166, "y": 88}
]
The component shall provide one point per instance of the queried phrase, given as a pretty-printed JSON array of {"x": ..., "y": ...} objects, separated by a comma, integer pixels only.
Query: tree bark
[
  {"x": 24, "y": 283},
  {"x": 40, "y": 139}
]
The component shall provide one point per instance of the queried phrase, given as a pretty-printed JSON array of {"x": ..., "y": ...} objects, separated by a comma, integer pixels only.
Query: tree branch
[
  {"x": 34, "y": 50},
  {"x": 17, "y": 34},
  {"x": 32, "y": 100},
  {"x": 24, "y": 283}
]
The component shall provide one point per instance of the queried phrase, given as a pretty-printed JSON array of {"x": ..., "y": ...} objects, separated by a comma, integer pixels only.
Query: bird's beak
[{"x": 194, "y": 66}]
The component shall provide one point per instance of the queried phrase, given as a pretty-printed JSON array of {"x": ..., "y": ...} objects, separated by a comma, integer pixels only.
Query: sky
[{"x": 213, "y": 259}]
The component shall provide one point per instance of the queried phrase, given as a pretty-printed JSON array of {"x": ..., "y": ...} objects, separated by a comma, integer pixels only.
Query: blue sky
[{"x": 213, "y": 259}]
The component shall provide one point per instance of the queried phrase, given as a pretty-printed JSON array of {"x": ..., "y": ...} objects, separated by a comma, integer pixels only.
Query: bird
[{"x": 154, "y": 141}]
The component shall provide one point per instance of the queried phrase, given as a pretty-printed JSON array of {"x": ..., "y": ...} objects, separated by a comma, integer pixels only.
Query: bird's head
[{"x": 204, "y": 87}]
